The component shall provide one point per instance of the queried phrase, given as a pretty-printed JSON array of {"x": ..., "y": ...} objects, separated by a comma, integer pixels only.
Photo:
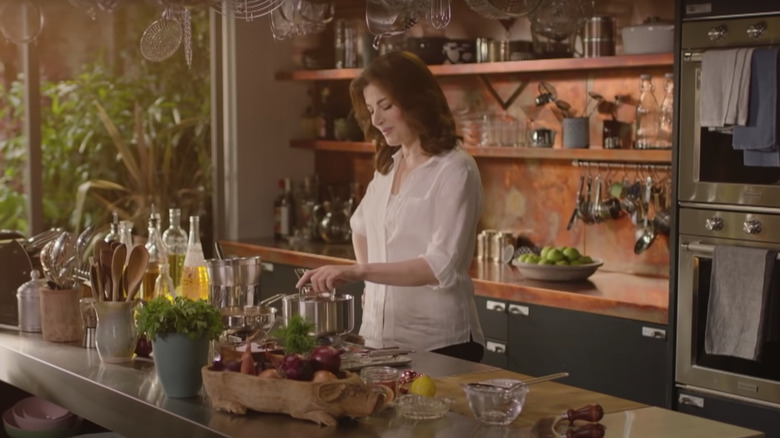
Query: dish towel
[
  {"x": 724, "y": 89},
  {"x": 759, "y": 137},
  {"x": 738, "y": 303}
]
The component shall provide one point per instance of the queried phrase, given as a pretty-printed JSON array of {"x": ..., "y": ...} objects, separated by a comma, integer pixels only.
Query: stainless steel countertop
[{"x": 128, "y": 399}]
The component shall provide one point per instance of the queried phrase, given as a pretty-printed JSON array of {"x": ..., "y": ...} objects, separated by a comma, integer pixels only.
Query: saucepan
[{"x": 332, "y": 314}]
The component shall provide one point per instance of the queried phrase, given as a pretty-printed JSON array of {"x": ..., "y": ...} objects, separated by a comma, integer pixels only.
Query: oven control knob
[
  {"x": 713, "y": 223},
  {"x": 752, "y": 227},
  {"x": 756, "y": 30},
  {"x": 717, "y": 32}
]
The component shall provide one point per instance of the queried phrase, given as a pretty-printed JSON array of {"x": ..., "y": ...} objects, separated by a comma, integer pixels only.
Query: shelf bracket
[{"x": 505, "y": 104}]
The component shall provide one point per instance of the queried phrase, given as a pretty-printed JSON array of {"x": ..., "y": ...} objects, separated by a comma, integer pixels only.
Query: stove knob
[
  {"x": 756, "y": 30},
  {"x": 717, "y": 32},
  {"x": 714, "y": 223},
  {"x": 752, "y": 227}
]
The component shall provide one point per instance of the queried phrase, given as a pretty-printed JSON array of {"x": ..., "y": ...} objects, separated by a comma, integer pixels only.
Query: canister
[
  {"x": 598, "y": 37},
  {"x": 29, "y": 298},
  {"x": 502, "y": 247},
  {"x": 484, "y": 244}
]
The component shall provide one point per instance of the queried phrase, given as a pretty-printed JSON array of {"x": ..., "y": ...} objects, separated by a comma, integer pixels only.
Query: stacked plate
[{"x": 35, "y": 417}]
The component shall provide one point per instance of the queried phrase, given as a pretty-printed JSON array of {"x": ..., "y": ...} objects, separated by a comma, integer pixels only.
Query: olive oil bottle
[
  {"x": 175, "y": 239},
  {"x": 158, "y": 255},
  {"x": 194, "y": 277}
]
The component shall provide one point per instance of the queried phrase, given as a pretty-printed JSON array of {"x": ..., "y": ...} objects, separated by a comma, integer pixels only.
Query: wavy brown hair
[{"x": 413, "y": 88}]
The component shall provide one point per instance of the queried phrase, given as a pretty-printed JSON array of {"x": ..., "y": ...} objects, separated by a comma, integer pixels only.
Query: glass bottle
[
  {"x": 158, "y": 255},
  {"x": 194, "y": 277},
  {"x": 646, "y": 122},
  {"x": 163, "y": 285},
  {"x": 666, "y": 116},
  {"x": 175, "y": 240},
  {"x": 126, "y": 236},
  {"x": 113, "y": 234},
  {"x": 283, "y": 210},
  {"x": 304, "y": 208}
]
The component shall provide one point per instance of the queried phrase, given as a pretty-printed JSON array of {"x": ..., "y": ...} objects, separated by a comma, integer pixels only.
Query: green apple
[
  {"x": 554, "y": 255},
  {"x": 571, "y": 253}
]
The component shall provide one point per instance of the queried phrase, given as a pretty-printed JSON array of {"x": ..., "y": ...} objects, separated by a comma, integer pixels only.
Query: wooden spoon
[
  {"x": 117, "y": 266},
  {"x": 136, "y": 267}
]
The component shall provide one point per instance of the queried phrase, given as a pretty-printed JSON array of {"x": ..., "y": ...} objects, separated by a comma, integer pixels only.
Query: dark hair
[{"x": 413, "y": 88}]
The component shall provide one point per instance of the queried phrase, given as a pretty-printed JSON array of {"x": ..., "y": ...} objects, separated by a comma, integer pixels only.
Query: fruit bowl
[{"x": 533, "y": 271}]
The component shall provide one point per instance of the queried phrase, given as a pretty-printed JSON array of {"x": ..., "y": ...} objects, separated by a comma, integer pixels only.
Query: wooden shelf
[
  {"x": 595, "y": 154},
  {"x": 509, "y": 67}
]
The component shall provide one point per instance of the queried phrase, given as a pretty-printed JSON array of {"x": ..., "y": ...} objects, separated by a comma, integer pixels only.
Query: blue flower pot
[{"x": 178, "y": 361}]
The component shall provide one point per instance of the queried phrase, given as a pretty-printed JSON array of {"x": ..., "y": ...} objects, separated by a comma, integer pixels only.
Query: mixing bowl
[
  {"x": 494, "y": 403},
  {"x": 35, "y": 413},
  {"x": 15, "y": 431}
]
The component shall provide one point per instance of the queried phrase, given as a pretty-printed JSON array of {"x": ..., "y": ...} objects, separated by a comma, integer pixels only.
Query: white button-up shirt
[{"x": 433, "y": 216}]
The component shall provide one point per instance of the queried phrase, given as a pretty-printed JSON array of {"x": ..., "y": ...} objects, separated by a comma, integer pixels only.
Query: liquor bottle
[
  {"x": 646, "y": 122},
  {"x": 284, "y": 216},
  {"x": 666, "y": 117},
  {"x": 158, "y": 255},
  {"x": 304, "y": 208},
  {"x": 163, "y": 285},
  {"x": 325, "y": 116},
  {"x": 113, "y": 234},
  {"x": 194, "y": 277},
  {"x": 175, "y": 240}
]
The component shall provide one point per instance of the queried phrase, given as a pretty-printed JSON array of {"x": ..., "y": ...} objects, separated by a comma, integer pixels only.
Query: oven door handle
[{"x": 702, "y": 248}]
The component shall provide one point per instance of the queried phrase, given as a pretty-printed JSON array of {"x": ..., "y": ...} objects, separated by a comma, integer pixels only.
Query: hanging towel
[
  {"x": 759, "y": 137},
  {"x": 724, "y": 87},
  {"x": 738, "y": 302}
]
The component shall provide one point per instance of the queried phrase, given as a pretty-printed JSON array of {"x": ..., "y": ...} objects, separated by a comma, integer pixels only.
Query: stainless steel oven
[
  {"x": 710, "y": 169},
  {"x": 700, "y": 230}
]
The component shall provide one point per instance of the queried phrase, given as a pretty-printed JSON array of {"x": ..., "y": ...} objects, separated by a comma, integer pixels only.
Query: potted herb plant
[{"x": 180, "y": 331}]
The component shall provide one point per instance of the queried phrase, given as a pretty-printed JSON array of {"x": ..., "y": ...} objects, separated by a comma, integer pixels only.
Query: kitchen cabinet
[
  {"x": 280, "y": 278},
  {"x": 728, "y": 410},
  {"x": 616, "y": 356}
]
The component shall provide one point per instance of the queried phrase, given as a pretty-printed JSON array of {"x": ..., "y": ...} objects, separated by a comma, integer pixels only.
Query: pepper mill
[{"x": 592, "y": 413}]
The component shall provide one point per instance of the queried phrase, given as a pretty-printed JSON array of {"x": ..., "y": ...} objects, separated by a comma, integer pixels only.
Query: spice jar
[{"x": 29, "y": 298}]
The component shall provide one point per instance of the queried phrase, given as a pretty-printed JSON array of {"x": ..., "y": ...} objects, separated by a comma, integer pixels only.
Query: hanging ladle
[
  {"x": 647, "y": 232},
  {"x": 520, "y": 383}
]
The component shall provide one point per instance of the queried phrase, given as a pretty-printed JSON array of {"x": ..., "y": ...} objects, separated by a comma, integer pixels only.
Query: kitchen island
[{"x": 128, "y": 399}]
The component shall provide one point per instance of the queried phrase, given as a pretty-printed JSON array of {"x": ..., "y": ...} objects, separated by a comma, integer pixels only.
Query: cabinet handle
[
  {"x": 495, "y": 347},
  {"x": 689, "y": 400},
  {"x": 516, "y": 309},
  {"x": 496, "y": 306},
  {"x": 655, "y": 333},
  {"x": 268, "y": 267}
]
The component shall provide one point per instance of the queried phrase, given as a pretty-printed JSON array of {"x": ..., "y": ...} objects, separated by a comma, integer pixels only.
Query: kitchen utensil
[
  {"x": 271, "y": 299},
  {"x": 21, "y": 21},
  {"x": 134, "y": 273},
  {"x": 439, "y": 13},
  {"x": 117, "y": 266},
  {"x": 646, "y": 234},
  {"x": 162, "y": 38},
  {"x": 577, "y": 198},
  {"x": 246, "y": 10},
  {"x": 519, "y": 383},
  {"x": 333, "y": 315}
]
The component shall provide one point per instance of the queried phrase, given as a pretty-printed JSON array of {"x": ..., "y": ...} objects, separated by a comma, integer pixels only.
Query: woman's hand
[{"x": 326, "y": 278}]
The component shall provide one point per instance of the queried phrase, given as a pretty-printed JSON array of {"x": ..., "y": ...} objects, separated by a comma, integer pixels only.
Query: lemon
[{"x": 424, "y": 386}]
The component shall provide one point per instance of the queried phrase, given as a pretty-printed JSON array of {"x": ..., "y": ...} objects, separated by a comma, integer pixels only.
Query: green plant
[
  {"x": 194, "y": 318},
  {"x": 295, "y": 336}
]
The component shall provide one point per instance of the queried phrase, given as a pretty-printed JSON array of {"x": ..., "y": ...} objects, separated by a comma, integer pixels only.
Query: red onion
[
  {"x": 326, "y": 358},
  {"x": 296, "y": 367}
]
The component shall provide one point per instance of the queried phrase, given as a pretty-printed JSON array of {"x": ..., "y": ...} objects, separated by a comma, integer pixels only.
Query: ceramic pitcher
[{"x": 116, "y": 334}]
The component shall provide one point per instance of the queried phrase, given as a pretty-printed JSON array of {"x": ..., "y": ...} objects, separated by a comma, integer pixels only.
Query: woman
[{"x": 415, "y": 229}]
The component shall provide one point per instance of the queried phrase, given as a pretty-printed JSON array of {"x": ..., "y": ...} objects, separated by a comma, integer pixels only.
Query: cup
[
  {"x": 576, "y": 132},
  {"x": 380, "y": 375}
]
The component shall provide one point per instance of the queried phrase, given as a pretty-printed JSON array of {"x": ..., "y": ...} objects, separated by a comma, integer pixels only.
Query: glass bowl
[
  {"x": 417, "y": 407},
  {"x": 496, "y": 405}
]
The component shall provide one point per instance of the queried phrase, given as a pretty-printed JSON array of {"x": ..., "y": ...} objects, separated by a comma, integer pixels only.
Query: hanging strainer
[
  {"x": 162, "y": 38},
  {"x": 504, "y": 9},
  {"x": 20, "y": 20}
]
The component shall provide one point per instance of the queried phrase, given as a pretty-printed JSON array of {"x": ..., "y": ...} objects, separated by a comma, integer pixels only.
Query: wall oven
[
  {"x": 710, "y": 169},
  {"x": 700, "y": 231}
]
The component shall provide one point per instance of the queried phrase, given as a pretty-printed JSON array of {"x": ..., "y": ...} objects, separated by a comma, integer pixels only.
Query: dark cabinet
[
  {"x": 615, "y": 356},
  {"x": 280, "y": 278},
  {"x": 729, "y": 410}
]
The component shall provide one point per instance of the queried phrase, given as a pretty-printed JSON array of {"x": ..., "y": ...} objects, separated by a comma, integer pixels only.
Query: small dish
[{"x": 417, "y": 407}]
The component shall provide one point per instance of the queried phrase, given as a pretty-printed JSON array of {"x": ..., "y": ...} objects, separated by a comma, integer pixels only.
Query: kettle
[{"x": 332, "y": 220}]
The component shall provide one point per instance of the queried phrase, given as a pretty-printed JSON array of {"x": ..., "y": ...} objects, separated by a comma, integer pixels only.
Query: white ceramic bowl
[
  {"x": 36, "y": 413},
  {"x": 533, "y": 271},
  {"x": 15, "y": 431},
  {"x": 648, "y": 38}
]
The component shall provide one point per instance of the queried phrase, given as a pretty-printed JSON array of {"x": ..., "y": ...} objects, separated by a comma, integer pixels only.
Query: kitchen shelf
[
  {"x": 609, "y": 155},
  {"x": 508, "y": 67}
]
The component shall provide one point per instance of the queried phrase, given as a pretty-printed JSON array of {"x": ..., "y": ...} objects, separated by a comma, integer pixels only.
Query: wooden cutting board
[{"x": 15, "y": 267}]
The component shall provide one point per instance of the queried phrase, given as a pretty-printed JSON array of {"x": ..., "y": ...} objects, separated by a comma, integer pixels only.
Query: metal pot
[{"x": 331, "y": 315}]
